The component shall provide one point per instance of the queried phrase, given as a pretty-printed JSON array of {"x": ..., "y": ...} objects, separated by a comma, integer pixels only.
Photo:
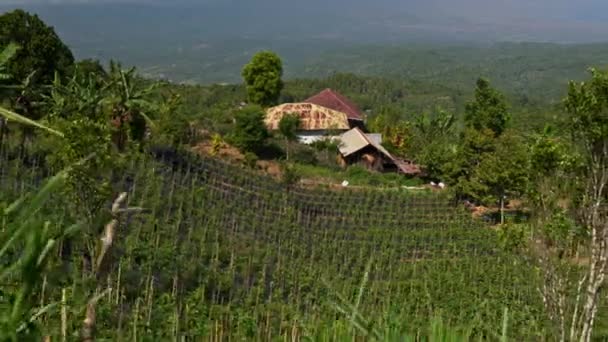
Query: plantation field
[{"x": 226, "y": 254}]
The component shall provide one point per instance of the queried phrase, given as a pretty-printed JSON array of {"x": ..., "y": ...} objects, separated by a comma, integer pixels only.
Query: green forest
[{"x": 118, "y": 223}]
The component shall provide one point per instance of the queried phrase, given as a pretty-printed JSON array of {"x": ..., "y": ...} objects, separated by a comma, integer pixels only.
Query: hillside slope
[{"x": 225, "y": 252}]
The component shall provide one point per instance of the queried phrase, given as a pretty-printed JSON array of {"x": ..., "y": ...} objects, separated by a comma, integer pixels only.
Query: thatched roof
[
  {"x": 333, "y": 100},
  {"x": 312, "y": 116}
]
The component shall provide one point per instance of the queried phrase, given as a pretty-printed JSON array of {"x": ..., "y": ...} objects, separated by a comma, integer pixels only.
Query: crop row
[{"x": 226, "y": 252}]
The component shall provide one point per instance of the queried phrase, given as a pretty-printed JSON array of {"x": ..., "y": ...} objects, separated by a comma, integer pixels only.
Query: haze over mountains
[
  {"x": 530, "y": 20},
  {"x": 166, "y": 38}
]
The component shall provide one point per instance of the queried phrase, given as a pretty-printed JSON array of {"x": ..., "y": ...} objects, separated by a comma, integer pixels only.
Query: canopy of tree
[{"x": 40, "y": 51}]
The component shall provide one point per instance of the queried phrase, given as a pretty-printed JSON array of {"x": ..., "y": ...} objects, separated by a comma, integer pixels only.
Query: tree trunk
[
  {"x": 3, "y": 128},
  {"x": 286, "y": 149},
  {"x": 595, "y": 219}
]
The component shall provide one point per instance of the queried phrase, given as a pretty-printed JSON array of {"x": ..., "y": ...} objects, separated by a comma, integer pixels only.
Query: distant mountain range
[{"x": 349, "y": 20}]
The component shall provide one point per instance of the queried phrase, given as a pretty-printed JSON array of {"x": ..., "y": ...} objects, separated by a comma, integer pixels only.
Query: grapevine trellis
[{"x": 225, "y": 252}]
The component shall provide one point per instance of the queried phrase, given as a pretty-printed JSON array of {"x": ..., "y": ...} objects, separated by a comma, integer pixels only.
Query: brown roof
[
  {"x": 333, "y": 100},
  {"x": 355, "y": 140},
  {"x": 407, "y": 167},
  {"x": 312, "y": 116}
]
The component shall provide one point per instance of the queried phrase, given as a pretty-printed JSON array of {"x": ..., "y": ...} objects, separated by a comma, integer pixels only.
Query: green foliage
[
  {"x": 27, "y": 245},
  {"x": 86, "y": 67},
  {"x": 289, "y": 174},
  {"x": 433, "y": 144},
  {"x": 485, "y": 169},
  {"x": 41, "y": 50},
  {"x": 75, "y": 107},
  {"x": 88, "y": 184},
  {"x": 548, "y": 154},
  {"x": 128, "y": 101},
  {"x": 224, "y": 244},
  {"x": 488, "y": 164},
  {"x": 251, "y": 159},
  {"x": 488, "y": 110},
  {"x": 289, "y": 125},
  {"x": 249, "y": 133},
  {"x": 6, "y": 55},
  {"x": 262, "y": 77},
  {"x": 171, "y": 127},
  {"x": 435, "y": 127},
  {"x": 587, "y": 103},
  {"x": 216, "y": 143},
  {"x": 26, "y": 249},
  {"x": 304, "y": 155},
  {"x": 514, "y": 237},
  {"x": 501, "y": 173},
  {"x": 396, "y": 133}
]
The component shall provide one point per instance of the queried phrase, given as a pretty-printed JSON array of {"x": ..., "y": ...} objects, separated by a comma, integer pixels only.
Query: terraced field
[{"x": 227, "y": 254}]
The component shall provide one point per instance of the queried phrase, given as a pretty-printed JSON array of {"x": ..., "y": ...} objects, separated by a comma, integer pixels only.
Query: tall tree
[
  {"x": 481, "y": 160},
  {"x": 587, "y": 104},
  {"x": 262, "y": 77},
  {"x": 41, "y": 49},
  {"x": 488, "y": 110}
]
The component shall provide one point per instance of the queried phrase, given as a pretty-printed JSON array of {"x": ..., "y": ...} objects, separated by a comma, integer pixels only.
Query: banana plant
[
  {"x": 129, "y": 104},
  {"x": 80, "y": 95}
]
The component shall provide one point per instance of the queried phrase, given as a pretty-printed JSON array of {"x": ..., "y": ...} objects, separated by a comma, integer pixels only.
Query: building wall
[
  {"x": 308, "y": 137},
  {"x": 368, "y": 157}
]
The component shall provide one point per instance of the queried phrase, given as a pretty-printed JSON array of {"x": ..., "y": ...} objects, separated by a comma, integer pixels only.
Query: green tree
[
  {"x": 92, "y": 67},
  {"x": 172, "y": 127},
  {"x": 41, "y": 49},
  {"x": 396, "y": 132},
  {"x": 587, "y": 104},
  {"x": 262, "y": 77},
  {"x": 433, "y": 144},
  {"x": 488, "y": 109},
  {"x": 75, "y": 107},
  {"x": 475, "y": 169},
  {"x": 249, "y": 133},
  {"x": 502, "y": 174},
  {"x": 288, "y": 126}
]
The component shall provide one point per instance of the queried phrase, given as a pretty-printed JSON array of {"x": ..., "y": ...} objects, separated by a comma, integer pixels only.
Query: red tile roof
[{"x": 336, "y": 101}]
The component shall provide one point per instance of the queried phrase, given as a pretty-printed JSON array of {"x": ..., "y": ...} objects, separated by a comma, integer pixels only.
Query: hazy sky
[{"x": 558, "y": 9}]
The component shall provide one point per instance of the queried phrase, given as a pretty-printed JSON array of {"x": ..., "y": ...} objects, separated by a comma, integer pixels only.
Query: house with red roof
[
  {"x": 332, "y": 115},
  {"x": 325, "y": 114},
  {"x": 331, "y": 99}
]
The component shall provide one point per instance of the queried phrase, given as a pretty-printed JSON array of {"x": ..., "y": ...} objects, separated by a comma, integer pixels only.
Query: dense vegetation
[
  {"x": 223, "y": 252},
  {"x": 110, "y": 217}
]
